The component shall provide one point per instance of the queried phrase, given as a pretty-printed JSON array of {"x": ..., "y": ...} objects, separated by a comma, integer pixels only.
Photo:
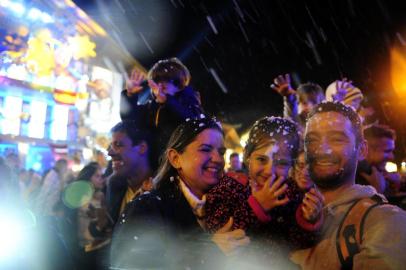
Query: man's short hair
[
  {"x": 130, "y": 128},
  {"x": 234, "y": 154},
  {"x": 310, "y": 92},
  {"x": 138, "y": 135},
  {"x": 346, "y": 111},
  {"x": 379, "y": 131}
]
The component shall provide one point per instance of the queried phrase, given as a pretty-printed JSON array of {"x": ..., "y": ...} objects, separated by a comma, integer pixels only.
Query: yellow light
[
  {"x": 244, "y": 139},
  {"x": 391, "y": 167},
  {"x": 398, "y": 71}
]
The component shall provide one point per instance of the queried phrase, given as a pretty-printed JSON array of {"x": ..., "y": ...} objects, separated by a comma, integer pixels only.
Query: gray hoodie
[{"x": 384, "y": 238}]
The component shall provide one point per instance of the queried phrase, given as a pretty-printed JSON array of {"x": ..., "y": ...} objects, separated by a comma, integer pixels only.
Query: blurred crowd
[{"x": 310, "y": 190}]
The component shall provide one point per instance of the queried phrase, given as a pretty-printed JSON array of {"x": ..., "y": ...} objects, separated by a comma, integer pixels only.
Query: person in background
[
  {"x": 90, "y": 251},
  {"x": 52, "y": 186},
  {"x": 132, "y": 175},
  {"x": 343, "y": 91},
  {"x": 163, "y": 101},
  {"x": 277, "y": 216},
  {"x": 333, "y": 144},
  {"x": 165, "y": 229},
  {"x": 371, "y": 170},
  {"x": 301, "y": 173},
  {"x": 235, "y": 163},
  {"x": 297, "y": 103}
]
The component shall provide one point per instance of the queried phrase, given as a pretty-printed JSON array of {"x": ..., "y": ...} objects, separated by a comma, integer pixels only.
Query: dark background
[{"x": 256, "y": 40}]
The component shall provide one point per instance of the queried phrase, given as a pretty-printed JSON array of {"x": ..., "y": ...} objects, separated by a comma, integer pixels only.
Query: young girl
[
  {"x": 267, "y": 204},
  {"x": 165, "y": 229}
]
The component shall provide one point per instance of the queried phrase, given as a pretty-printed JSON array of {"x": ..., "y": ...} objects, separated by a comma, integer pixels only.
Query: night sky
[{"x": 235, "y": 48}]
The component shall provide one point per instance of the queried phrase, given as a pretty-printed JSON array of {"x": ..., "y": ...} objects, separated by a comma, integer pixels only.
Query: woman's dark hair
[
  {"x": 88, "y": 171},
  {"x": 183, "y": 135},
  {"x": 170, "y": 70},
  {"x": 272, "y": 128}
]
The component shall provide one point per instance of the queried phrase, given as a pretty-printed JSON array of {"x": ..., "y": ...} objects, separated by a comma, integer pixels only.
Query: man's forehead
[{"x": 327, "y": 121}]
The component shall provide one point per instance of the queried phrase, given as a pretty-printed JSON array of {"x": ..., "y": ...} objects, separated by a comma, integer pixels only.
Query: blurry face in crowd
[
  {"x": 301, "y": 176},
  {"x": 272, "y": 159},
  {"x": 97, "y": 179},
  {"x": 125, "y": 156},
  {"x": 235, "y": 163},
  {"x": 201, "y": 165},
  {"x": 304, "y": 107},
  {"x": 380, "y": 151},
  {"x": 331, "y": 150}
]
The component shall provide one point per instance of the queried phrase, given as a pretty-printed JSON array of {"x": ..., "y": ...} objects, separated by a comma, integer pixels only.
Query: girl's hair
[
  {"x": 183, "y": 135},
  {"x": 170, "y": 70},
  {"x": 88, "y": 171},
  {"x": 269, "y": 129}
]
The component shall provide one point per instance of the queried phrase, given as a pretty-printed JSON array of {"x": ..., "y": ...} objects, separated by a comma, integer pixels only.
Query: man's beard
[{"x": 336, "y": 179}]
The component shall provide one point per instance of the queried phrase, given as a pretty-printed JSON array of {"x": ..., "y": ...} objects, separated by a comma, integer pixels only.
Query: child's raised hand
[
  {"x": 282, "y": 85},
  {"x": 133, "y": 84},
  {"x": 270, "y": 195},
  {"x": 312, "y": 206}
]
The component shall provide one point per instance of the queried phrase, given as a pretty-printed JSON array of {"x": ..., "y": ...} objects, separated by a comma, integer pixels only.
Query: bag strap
[{"x": 350, "y": 231}]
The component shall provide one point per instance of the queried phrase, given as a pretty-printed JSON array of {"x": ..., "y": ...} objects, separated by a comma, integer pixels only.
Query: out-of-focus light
[
  {"x": 34, "y": 14},
  {"x": 12, "y": 111},
  {"x": 4, "y": 3},
  {"x": 244, "y": 139},
  {"x": 76, "y": 167},
  {"x": 11, "y": 235},
  {"x": 38, "y": 110},
  {"x": 391, "y": 167},
  {"x": 17, "y": 8},
  {"x": 59, "y": 129},
  {"x": 46, "y": 18},
  {"x": 398, "y": 71},
  {"x": 87, "y": 153},
  {"x": 23, "y": 148},
  {"x": 37, "y": 166},
  {"x": 403, "y": 167},
  {"x": 78, "y": 193}
]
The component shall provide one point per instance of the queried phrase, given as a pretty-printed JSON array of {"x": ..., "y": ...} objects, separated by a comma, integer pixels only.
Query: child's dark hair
[
  {"x": 183, "y": 135},
  {"x": 267, "y": 129},
  {"x": 170, "y": 70},
  {"x": 310, "y": 92}
]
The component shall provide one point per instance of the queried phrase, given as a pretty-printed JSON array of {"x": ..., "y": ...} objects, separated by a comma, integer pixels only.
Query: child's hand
[
  {"x": 268, "y": 196},
  {"x": 229, "y": 240},
  {"x": 282, "y": 85},
  {"x": 312, "y": 206},
  {"x": 133, "y": 85}
]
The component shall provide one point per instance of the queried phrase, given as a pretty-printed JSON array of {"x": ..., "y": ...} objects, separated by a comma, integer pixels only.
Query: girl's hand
[
  {"x": 269, "y": 196},
  {"x": 312, "y": 206}
]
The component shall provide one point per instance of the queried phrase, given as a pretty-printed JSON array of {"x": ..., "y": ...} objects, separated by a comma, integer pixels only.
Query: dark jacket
[
  {"x": 115, "y": 190},
  {"x": 160, "y": 119},
  {"x": 158, "y": 230},
  {"x": 273, "y": 235}
]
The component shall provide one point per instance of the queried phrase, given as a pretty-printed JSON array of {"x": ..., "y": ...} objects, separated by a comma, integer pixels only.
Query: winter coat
[
  {"x": 384, "y": 237},
  {"x": 273, "y": 234},
  {"x": 160, "y": 119},
  {"x": 158, "y": 230}
]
